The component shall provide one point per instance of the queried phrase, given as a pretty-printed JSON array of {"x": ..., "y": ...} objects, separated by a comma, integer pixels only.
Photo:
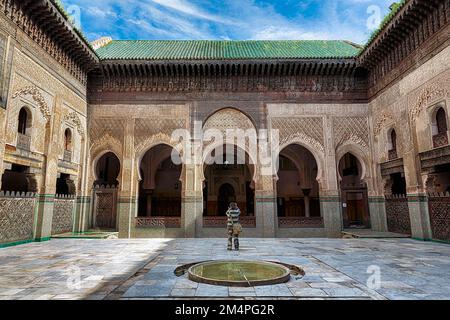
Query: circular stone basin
[{"x": 239, "y": 273}]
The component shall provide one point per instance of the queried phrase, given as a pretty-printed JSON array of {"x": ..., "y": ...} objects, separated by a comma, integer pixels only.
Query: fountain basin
[{"x": 239, "y": 273}]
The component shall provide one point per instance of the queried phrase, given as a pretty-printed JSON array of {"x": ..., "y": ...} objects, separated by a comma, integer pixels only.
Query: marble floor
[{"x": 143, "y": 269}]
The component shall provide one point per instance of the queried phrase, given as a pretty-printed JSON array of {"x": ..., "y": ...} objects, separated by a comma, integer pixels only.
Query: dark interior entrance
[
  {"x": 226, "y": 195},
  {"x": 355, "y": 208}
]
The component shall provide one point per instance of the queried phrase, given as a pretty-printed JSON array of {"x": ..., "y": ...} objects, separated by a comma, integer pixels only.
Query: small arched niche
[
  {"x": 392, "y": 145},
  {"x": 439, "y": 127},
  {"x": 24, "y": 129}
]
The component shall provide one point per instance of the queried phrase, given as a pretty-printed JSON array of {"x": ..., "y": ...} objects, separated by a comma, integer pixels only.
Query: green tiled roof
[{"x": 229, "y": 50}]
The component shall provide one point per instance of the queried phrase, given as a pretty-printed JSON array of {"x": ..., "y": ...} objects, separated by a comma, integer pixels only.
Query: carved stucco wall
[
  {"x": 76, "y": 123},
  {"x": 228, "y": 118},
  {"x": 406, "y": 106},
  {"x": 106, "y": 134},
  {"x": 33, "y": 86},
  {"x": 307, "y": 129},
  {"x": 351, "y": 130},
  {"x": 153, "y": 124}
]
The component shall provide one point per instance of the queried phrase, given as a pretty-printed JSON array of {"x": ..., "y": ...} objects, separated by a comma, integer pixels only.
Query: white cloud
[
  {"x": 191, "y": 10},
  {"x": 274, "y": 33},
  {"x": 230, "y": 19}
]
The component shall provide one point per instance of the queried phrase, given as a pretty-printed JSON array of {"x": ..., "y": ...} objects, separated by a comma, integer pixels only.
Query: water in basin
[{"x": 245, "y": 273}]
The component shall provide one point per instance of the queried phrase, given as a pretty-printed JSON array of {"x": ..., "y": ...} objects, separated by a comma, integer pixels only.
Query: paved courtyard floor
[{"x": 143, "y": 269}]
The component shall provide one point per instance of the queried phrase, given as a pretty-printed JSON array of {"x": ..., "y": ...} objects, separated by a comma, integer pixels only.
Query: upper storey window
[
  {"x": 440, "y": 128},
  {"x": 68, "y": 145},
  {"x": 68, "y": 140},
  {"x": 24, "y": 129},
  {"x": 393, "y": 145}
]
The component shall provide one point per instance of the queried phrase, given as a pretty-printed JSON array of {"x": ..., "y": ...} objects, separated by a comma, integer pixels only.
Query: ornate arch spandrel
[
  {"x": 74, "y": 119},
  {"x": 106, "y": 144},
  {"x": 308, "y": 130},
  {"x": 351, "y": 130},
  {"x": 427, "y": 96},
  {"x": 37, "y": 97},
  {"x": 381, "y": 120},
  {"x": 229, "y": 118},
  {"x": 153, "y": 141}
]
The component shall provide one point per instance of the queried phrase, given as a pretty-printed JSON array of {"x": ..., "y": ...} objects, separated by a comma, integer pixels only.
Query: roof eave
[
  {"x": 373, "y": 42},
  {"x": 87, "y": 48},
  {"x": 221, "y": 61}
]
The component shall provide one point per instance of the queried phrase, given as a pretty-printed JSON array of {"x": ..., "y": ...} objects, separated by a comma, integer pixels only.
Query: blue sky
[{"x": 229, "y": 19}]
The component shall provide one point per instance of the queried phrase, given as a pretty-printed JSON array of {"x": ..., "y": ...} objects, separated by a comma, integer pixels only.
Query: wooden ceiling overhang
[
  {"x": 227, "y": 68},
  {"x": 46, "y": 24},
  {"x": 414, "y": 23}
]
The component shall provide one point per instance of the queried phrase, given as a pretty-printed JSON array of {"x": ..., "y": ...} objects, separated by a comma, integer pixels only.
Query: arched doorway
[
  {"x": 228, "y": 178},
  {"x": 107, "y": 171},
  {"x": 354, "y": 193},
  {"x": 160, "y": 186},
  {"x": 297, "y": 188}
]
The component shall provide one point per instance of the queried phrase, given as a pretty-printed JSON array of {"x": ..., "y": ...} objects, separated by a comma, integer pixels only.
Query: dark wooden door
[
  {"x": 356, "y": 213},
  {"x": 105, "y": 208}
]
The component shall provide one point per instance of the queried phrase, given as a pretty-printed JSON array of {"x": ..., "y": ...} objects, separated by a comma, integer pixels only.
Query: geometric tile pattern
[
  {"x": 16, "y": 219},
  {"x": 439, "y": 208},
  {"x": 62, "y": 221}
]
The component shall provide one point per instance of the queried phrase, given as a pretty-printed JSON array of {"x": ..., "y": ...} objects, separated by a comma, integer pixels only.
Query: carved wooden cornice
[
  {"x": 435, "y": 157},
  {"x": 415, "y": 24},
  {"x": 391, "y": 167},
  {"x": 43, "y": 22},
  {"x": 340, "y": 76}
]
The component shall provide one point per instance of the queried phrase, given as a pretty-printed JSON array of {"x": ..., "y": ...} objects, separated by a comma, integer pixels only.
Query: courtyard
[{"x": 144, "y": 269}]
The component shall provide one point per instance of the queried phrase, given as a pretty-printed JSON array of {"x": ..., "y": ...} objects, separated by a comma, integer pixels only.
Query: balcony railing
[
  {"x": 221, "y": 222},
  {"x": 300, "y": 222},
  {"x": 440, "y": 140},
  {"x": 158, "y": 222},
  {"x": 23, "y": 141},
  {"x": 393, "y": 155},
  {"x": 67, "y": 157}
]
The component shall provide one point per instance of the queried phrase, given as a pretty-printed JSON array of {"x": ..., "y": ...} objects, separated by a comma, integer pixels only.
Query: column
[
  {"x": 46, "y": 181},
  {"x": 306, "y": 193},
  {"x": 83, "y": 199},
  {"x": 192, "y": 202},
  {"x": 416, "y": 187},
  {"x": 377, "y": 207},
  {"x": 330, "y": 202},
  {"x": 192, "y": 194},
  {"x": 128, "y": 187},
  {"x": 2, "y": 141},
  {"x": 266, "y": 206}
]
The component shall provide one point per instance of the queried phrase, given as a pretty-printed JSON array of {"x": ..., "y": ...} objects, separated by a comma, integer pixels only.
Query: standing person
[{"x": 233, "y": 226}]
